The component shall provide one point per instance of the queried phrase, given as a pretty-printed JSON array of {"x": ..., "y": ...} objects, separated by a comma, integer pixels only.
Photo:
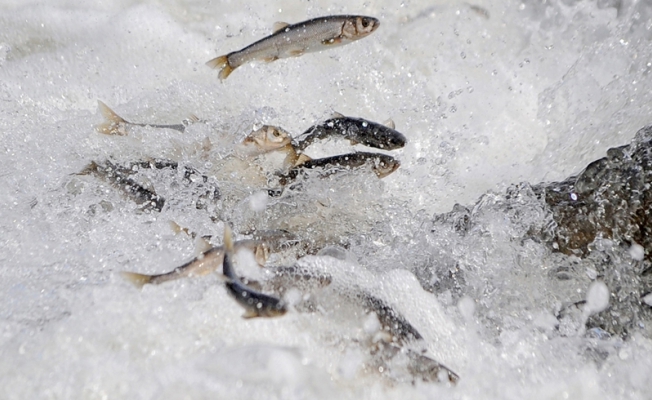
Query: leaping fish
[
  {"x": 356, "y": 130},
  {"x": 256, "y": 304},
  {"x": 116, "y": 125},
  {"x": 203, "y": 264},
  {"x": 381, "y": 164},
  {"x": 316, "y": 34}
]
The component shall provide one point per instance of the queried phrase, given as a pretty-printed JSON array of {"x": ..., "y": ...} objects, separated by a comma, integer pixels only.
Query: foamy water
[{"x": 488, "y": 94}]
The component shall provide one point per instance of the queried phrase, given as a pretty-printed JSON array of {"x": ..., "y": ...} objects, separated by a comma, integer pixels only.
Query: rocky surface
[{"x": 596, "y": 226}]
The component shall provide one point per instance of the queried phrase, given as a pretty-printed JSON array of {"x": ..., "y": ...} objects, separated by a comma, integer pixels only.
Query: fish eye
[
  {"x": 365, "y": 23},
  {"x": 276, "y": 133}
]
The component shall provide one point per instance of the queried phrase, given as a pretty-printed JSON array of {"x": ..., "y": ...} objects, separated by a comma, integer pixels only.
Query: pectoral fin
[
  {"x": 302, "y": 159},
  {"x": 250, "y": 314},
  {"x": 332, "y": 41},
  {"x": 390, "y": 124},
  {"x": 336, "y": 115}
]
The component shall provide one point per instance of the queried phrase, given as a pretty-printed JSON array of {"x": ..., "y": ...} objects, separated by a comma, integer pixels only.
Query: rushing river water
[{"x": 488, "y": 93}]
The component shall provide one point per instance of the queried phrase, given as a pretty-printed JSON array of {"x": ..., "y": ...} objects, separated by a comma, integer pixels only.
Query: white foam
[{"x": 535, "y": 91}]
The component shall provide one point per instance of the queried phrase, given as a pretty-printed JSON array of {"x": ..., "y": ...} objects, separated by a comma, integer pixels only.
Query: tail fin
[
  {"x": 139, "y": 280},
  {"x": 89, "y": 169},
  {"x": 221, "y": 62},
  {"x": 113, "y": 124}
]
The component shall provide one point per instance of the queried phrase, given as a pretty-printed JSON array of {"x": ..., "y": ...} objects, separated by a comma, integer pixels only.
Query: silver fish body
[
  {"x": 294, "y": 40},
  {"x": 356, "y": 130},
  {"x": 381, "y": 164},
  {"x": 203, "y": 264},
  {"x": 116, "y": 125}
]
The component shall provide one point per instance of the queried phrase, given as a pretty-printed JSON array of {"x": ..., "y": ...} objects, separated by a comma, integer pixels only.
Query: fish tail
[
  {"x": 111, "y": 125},
  {"x": 139, "y": 280},
  {"x": 89, "y": 169},
  {"x": 223, "y": 63}
]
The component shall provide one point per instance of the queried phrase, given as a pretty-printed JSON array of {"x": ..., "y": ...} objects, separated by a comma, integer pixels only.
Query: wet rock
[{"x": 593, "y": 226}]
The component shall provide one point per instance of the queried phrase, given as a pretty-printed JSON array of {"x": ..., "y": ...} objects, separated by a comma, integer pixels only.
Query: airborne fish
[
  {"x": 356, "y": 130},
  {"x": 116, "y": 125},
  {"x": 381, "y": 164},
  {"x": 294, "y": 40},
  {"x": 205, "y": 263}
]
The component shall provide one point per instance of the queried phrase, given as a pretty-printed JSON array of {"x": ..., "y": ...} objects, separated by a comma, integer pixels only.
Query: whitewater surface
[{"x": 488, "y": 93}]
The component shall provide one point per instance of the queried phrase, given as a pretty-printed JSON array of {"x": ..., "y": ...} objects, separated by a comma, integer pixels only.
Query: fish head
[
  {"x": 385, "y": 165},
  {"x": 267, "y": 138},
  {"x": 358, "y": 27}
]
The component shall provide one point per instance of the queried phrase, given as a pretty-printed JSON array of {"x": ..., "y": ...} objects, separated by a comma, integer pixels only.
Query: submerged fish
[
  {"x": 256, "y": 304},
  {"x": 116, "y": 125},
  {"x": 203, "y": 264},
  {"x": 381, "y": 164},
  {"x": 356, "y": 130},
  {"x": 294, "y": 40},
  {"x": 120, "y": 177}
]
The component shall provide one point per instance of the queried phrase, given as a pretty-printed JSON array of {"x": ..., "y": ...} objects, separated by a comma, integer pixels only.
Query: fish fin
[
  {"x": 176, "y": 228},
  {"x": 218, "y": 62},
  {"x": 353, "y": 142},
  {"x": 206, "y": 144},
  {"x": 296, "y": 52},
  {"x": 225, "y": 72},
  {"x": 192, "y": 118},
  {"x": 113, "y": 124},
  {"x": 337, "y": 115},
  {"x": 270, "y": 59},
  {"x": 228, "y": 239},
  {"x": 302, "y": 159},
  {"x": 261, "y": 254},
  {"x": 291, "y": 155},
  {"x": 201, "y": 245},
  {"x": 109, "y": 114},
  {"x": 223, "y": 62},
  {"x": 139, "y": 280},
  {"x": 332, "y": 41},
  {"x": 278, "y": 26},
  {"x": 250, "y": 314},
  {"x": 89, "y": 169},
  {"x": 390, "y": 123}
]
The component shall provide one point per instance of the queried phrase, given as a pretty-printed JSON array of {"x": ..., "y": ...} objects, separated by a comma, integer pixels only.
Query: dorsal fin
[
  {"x": 390, "y": 123},
  {"x": 279, "y": 26},
  {"x": 336, "y": 115},
  {"x": 109, "y": 114},
  {"x": 113, "y": 123}
]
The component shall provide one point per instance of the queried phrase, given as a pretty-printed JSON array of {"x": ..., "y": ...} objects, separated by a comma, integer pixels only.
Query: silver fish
[
  {"x": 256, "y": 304},
  {"x": 203, "y": 264},
  {"x": 356, "y": 130},
  {"x": 294, "y": 40},
  {"x": 116, "y": 125},
  {"x": 381, "y": 164}
]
